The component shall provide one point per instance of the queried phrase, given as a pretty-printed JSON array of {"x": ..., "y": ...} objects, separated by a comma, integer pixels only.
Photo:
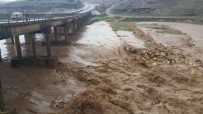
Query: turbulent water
[
  {"x": 41, "y": 90},
  {"x": 96, "y": 75}
]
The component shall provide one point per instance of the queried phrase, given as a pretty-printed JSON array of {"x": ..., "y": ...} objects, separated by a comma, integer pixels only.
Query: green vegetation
[
  {"x": 96, "y": 19},
  {"x": 158, "y": 17},
  {"x": 119, "y": 25},
  {"x": 116, "y": 23}
]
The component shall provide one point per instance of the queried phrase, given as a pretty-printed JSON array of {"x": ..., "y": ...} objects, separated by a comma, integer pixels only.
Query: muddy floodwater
[
  {"x": 100, "y": 73},
  {"x": 40, "y": 90}
]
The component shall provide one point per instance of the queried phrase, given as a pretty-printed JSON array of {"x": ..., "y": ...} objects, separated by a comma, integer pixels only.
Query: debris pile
[
  {"x": 156, "y": 53},
  {"x": 159, "y": 54}
]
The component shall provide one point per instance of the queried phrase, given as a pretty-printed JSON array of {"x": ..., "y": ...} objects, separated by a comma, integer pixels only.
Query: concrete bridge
[{"x": 29, "y": 29}]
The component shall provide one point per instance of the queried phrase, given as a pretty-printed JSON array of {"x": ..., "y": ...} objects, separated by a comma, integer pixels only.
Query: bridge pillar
[
  {"x": 47, "y": 33},
  {"x": 2, "y": 104},
  {"x": 33, "y": 45},
  {"x": 66, "y": 28},
  {"x": 56, "y": 33},
  {"x": 42, "y": 61},
  {"x": 72, "y": 28},
  {"x": 78, "y": 25},
  {"x": 61, "y": 30},
  {"x": 27, "y": 38},
  {"x": 18, "y": 47},
  {"x": 0, "y": 56},
  {"x": 83, "y": 21}
]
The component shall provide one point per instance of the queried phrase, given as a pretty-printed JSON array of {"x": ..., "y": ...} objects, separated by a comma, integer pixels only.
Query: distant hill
[
  {"x": 99, "y": 1},
  {"x": 40, "y": 6},
  {"x": 160, "y": 7}
]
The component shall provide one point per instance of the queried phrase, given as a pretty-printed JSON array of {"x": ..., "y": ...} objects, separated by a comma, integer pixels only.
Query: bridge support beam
[
  {"x": 27, "y": 38},
  {"x": 61, "y": 30},
  {"x": 55, "y": 33},
  {"x": 66, "y": 28},
  {"x": 33, "y": 45},
  {"x": 0, "y": 56},
  {"x": 18, "y": 47},
  {"x": 34, "y": 60},
  {"x": 72, "y": 28},
  {"x": 79, "y": 24},
  {"x": 47, "y": 33}
]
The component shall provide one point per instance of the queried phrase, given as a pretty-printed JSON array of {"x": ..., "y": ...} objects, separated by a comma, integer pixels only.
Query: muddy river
[
  {"x": 39, "y": 90},
  {"x": 96, "y": 75}
]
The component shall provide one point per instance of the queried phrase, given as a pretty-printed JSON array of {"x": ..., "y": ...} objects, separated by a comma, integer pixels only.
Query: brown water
[
  {"x": 96, "y": 75},
  {"x": 39, "y": 90}
]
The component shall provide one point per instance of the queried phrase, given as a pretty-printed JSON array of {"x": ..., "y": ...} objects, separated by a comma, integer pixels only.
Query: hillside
[
  {"x": 99, "y": 1},
  {"x": 36, "y": 6},
  {"x": 160, "y": 7}
]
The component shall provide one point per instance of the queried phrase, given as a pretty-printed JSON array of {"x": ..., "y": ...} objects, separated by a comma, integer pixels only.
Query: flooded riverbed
[
  {"x": 40, "y": 90},
  {"x": 102, "y": 72}
]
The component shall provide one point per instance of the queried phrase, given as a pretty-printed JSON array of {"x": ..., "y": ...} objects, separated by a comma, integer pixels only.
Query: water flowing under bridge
[{"x": 38, "y": 23}]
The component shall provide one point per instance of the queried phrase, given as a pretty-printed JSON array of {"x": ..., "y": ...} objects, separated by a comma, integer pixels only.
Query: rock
[
  {"x": 168, "y": 62},
  {"x": 191, "y": 44},
  {"x": 198, "y": 61},
  {"x": 190, "y": 63},
  {"x": 154, "y": 58},
  {"x": 162, "y": 54},
  {"x": 187, "y": 62},
  {"x": 177, "y": 61},
  {"x": 154, "y": 64},
  {"x": 192, "y": 72},
  {"x": 200, "y": 68}
]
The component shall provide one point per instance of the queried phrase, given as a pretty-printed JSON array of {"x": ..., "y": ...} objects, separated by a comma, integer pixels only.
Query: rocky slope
[{"x": 160, "y": 7}]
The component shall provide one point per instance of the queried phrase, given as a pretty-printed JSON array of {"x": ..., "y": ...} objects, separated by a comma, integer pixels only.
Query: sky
[{"x": 7, "y": 0}]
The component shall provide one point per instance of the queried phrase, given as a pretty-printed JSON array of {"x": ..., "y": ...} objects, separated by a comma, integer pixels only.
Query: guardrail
[{"x": 7, "y": 18}]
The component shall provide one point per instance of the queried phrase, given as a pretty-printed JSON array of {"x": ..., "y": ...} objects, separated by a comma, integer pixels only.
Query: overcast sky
[{"x": 6, "y": 0}]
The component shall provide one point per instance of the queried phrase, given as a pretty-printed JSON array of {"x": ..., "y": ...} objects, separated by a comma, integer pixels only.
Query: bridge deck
[{"x": 9, "y": 30}]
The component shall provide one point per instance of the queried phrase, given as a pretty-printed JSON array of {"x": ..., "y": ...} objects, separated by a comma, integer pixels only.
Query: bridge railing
[{"x": 14, "y": 18}]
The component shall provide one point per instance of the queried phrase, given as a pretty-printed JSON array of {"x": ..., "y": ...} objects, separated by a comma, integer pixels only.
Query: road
[
  {"x": 108, "y": 12},
  {"x": 86, "y": 8}
]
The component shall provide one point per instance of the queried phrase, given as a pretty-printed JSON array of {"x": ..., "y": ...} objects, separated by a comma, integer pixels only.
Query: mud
[
  {"x": 189, "y": 42},
  {"x": 97, "y": 74}
]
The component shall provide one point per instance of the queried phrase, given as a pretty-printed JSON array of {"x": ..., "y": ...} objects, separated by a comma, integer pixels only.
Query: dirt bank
[
  {"x": 107, "y": 72},
  {"x": 185, "y": 37},
  {"x": 193, "y": 21}
]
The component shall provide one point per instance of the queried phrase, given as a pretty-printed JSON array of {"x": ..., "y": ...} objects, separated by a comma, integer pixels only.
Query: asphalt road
[{"x": 86, "y": 8}]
